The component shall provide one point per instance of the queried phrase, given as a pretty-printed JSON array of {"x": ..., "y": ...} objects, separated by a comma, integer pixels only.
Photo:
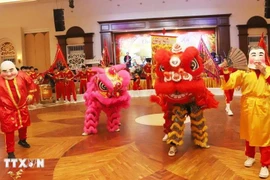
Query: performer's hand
[
  {"x": 29, "y": 98},
  {"x": 260, "y": 67},
  {"x": 224, "y": 64}
]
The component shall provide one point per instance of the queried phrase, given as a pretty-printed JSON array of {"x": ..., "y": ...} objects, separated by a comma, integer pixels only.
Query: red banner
[
  {"x": 59, "y": 60},
  {"x": 210, "y": 67}
]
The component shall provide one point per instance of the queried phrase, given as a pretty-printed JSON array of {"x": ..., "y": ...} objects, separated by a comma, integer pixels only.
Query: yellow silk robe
[{"x": 255, "y": 105}]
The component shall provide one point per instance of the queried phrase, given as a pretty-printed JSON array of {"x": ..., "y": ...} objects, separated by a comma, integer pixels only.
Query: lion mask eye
[
  {"x": 161, "y": 68},
  {"x": 102, "y": 86},
  {"x": 194, "y": 64}
]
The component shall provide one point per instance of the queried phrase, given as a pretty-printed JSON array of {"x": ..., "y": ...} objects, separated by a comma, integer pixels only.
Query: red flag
[
  {"x": 105, "y": 56},
  {"x": 263, "y": 45},
  {"x": 59, "y": 60}
]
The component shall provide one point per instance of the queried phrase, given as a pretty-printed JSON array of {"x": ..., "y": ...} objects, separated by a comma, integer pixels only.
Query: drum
[{"x": 45, "y": 92}]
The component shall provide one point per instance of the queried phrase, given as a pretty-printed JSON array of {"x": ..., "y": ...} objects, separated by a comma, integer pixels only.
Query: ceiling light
[{"x": 15, "y": 1}]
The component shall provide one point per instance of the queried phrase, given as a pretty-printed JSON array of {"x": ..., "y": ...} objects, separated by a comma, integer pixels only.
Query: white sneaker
[
  {"x": 264, "y": 172},
  {"x": 85, "y": 134},
  {"x": 172, "y": 151},
  {"x": 165, "y": 137},
  {"x": 249, "y": 162},
  {"x": 229, "y": 111}
]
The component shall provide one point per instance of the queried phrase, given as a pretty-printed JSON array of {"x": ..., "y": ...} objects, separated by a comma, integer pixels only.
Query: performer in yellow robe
[{"x": 255, "y": 107}]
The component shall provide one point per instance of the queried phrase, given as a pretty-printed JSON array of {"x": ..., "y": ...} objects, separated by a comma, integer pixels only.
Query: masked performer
[
  {"x": 181, "y": 92},
  {"x": 16, "y": 89},
  {"x": 255, "y": 104}
]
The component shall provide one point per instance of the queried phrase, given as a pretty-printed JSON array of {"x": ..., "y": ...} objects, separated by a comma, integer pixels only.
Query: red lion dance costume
[
  {"x": 181, "y": 92},
  {"x": 106, "y": 91}
]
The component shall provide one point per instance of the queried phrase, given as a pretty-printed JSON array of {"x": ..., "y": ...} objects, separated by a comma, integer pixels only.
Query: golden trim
[
  {"x": 198, "y": 137},
  {"x": 175, "y": 142},
  {"x": 196, "y": 129},
  {"x": 176, "y": 125},
  {"x": 197, "y": 122},
  {"x": 13, "y": 100},
  {"x": 17, "y": 89},
  {"x": 32, "y": 91},
  {"x": 201, "y": 143}
]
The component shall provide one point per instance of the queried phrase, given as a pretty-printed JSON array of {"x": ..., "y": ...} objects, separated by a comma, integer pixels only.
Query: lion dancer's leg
[
  {"x": 91, "y": 118},
  {"x": 168, "y": 122},
  {"x": 175, "y": 137},
  {"x": 113, "y": 122},
  {"x": 198, "y": 127}
]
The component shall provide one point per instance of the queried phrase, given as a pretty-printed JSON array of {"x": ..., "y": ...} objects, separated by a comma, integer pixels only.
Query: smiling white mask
[
  {"x": 8, "y": 70},
  {"x": 256, "y": 55}
]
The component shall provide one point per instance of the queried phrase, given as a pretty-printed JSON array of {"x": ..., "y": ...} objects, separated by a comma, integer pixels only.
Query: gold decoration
[{"x": 16, "y": 175}]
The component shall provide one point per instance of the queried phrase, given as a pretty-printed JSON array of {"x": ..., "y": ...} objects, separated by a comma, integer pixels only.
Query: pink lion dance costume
[
  {"x": 181, "y": 92},
  {"x": 106, "y": 91}
]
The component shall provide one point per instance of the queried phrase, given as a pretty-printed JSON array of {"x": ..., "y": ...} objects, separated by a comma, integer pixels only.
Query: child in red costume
[
  {"x": 69, "y": 84},
  {"x": 137, "y": 82},
  {"x": 226, "y": 71},
  {"x": 83, "y": 80},
  {"x": 16, "y": 89},
  {"x": 58, "y": 78},
  {"x": 37, "y": 78},
  {"x": 89, "y": 72},
  {"x": 147, "y": 70}
]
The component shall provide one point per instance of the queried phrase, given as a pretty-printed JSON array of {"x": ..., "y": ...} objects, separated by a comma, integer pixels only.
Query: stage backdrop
[{"x": 139, "y": 45}]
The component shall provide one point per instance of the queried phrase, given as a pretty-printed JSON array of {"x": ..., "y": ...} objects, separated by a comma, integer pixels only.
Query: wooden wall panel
[
  {"x": 121, "y": 26},
  {"x": 163, "y": 23},
  {"x": 47, "y": 51},
  {"x": 40, "y": 52},
  {"x": 107, "y": 37},
  {"x": 223, "y": 44},
  {"x": 37, "y": 51},
  {"x": 30, "y": 51}
]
